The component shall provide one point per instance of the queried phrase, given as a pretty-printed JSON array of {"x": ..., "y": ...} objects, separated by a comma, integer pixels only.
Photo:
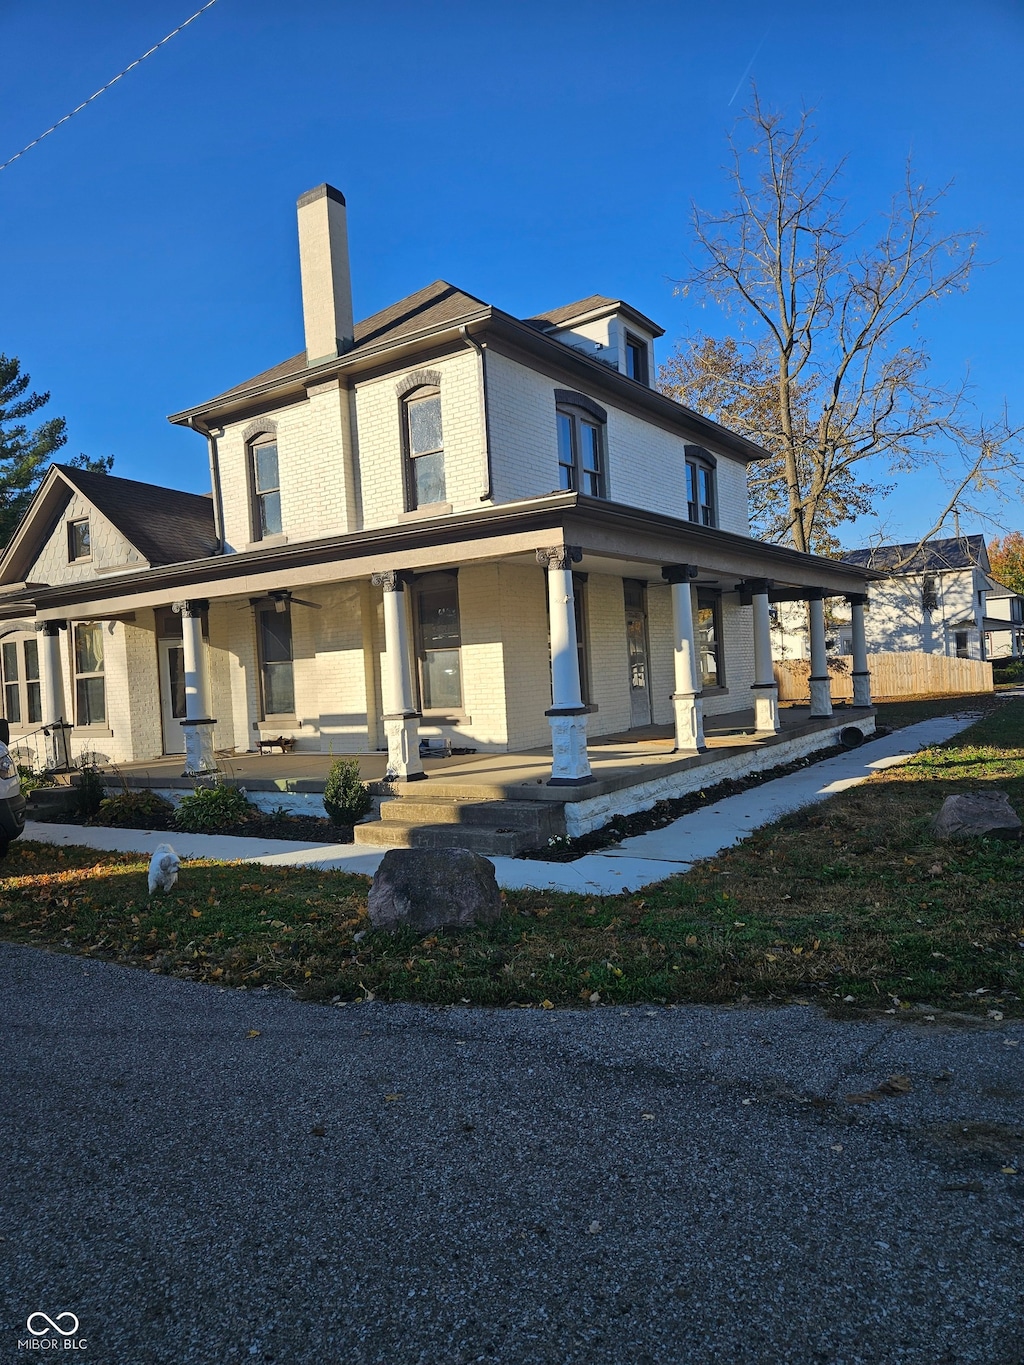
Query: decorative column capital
[
  {"x": 559, "y": 556},
  {"x": 193, "y": 607},
  {"x": 51, "y": 628},
  {"x": 815, "y": 594},
  {"x": 391, "y": 580},
  {"x": 857, "y": 599},
  {"x": 757, "y": 587},
  {"x": 679, "y": 573}
]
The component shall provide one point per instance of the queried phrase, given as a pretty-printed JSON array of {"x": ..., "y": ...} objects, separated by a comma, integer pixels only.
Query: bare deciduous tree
[{"x": 834, "y": 380}]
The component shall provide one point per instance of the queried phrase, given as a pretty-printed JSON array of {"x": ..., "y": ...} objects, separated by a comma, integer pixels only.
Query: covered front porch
[{"x": 502, "y": 803}]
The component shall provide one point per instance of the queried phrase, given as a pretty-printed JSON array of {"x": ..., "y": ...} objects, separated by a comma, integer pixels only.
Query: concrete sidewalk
[
  {"x": 206, "y": 1176},
  {"x": 634, "y": 863}
]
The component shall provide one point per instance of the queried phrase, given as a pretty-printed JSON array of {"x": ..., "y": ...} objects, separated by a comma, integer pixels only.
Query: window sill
[
  {"x": 92, "y": 732},
  {"x": 267, "y": 543},
  {"x": 281, "y": 722},
  {"x": 431, "y": 509}
]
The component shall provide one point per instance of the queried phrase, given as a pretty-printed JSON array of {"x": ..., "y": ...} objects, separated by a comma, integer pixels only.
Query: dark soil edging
[
  {"x": 620, "y": 827},
  {"x": 261, "y": 825}
]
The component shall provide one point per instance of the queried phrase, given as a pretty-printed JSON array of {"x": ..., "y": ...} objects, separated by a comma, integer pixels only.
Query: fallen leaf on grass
[
  {"x": 546, "y": 1005},
  {"x": 893, "y": 1085},
  {"x": 1008, "y": 1170},
  {"x": 691, "y": 940}
]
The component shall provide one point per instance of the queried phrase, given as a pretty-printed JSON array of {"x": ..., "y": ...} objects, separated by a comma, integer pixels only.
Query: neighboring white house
[
  {"x": 442, "y": 522},
  {"x": 934, "y": 599},
  {"x": 1004, "y": 616}
]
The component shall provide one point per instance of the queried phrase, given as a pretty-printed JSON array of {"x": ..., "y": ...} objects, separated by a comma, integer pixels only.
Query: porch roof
[{"x": 613, "y": 538}]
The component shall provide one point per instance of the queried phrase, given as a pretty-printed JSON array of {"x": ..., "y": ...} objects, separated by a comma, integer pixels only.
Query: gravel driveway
[{"x": 202, "y": 1175}]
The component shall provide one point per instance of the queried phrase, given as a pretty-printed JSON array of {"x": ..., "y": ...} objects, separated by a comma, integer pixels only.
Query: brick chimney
[{"x": 323, "y": 264}]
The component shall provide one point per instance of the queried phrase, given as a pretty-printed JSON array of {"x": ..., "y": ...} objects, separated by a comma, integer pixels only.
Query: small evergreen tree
[{"x": 346, "y": 798}]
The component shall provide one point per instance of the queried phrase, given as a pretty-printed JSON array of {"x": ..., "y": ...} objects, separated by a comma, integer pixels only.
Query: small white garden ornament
[{"x": 163, "y": 869}]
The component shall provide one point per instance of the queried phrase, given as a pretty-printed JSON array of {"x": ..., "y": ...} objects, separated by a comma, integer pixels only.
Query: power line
[{"x": 155, "y": 48}]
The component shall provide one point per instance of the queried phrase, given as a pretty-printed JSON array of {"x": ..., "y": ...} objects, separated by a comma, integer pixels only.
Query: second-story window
[
  {"x": 580, "y": 452},
  {"x": 636, "y": 359},
  {"x": 424, "y": 445},
  {"x": 700, "y": 490},
  {"x": 79, "y": 544},
  {"x": 266, "y": 482}
]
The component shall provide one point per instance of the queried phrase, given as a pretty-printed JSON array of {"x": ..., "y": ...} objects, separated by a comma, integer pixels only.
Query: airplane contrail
[{"x": 753, "y": 59}]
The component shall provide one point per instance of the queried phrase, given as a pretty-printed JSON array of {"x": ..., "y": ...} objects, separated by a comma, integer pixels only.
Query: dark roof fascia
[
  {"x": 635, "y": 397},
  {"x": 638, "y": 398},
  {"x": 351, "y": 363},
  {"x": 548, "y": 513},
  {"x": 608, "y": 513}
]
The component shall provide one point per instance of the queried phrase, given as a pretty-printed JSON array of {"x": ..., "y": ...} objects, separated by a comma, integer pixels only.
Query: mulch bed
[
  {"x": 621, "y": 827},
  {"x": 261, "y": 825}
]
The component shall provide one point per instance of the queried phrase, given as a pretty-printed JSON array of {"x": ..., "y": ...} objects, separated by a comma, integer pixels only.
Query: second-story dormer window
[
  {"x": 424, "y": 446},
  {"x": 581, "y": 455},
  {"x": 266, "y": 481},
  {"x": 79, "y": 542},
  {"x": 636, "y": 359},
  {"x": 700, "y": 488}
]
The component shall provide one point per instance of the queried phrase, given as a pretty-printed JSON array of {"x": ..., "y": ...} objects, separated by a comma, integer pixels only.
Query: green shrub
[
  {"x": 89, "y": 792},
  {"x": 135, "y": 810},
  {"x": 346, "y": 799},
  {"x": 31, "y": 780},
  {"x": 1010, "y": 671},
  {"x": 209, "y": 809}
]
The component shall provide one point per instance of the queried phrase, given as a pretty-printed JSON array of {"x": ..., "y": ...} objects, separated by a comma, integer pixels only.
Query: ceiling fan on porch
[{"x": 280, "y": 601}]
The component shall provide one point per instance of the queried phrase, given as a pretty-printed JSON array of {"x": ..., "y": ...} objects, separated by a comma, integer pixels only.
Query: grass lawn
[{"x": 850, "y": 898}]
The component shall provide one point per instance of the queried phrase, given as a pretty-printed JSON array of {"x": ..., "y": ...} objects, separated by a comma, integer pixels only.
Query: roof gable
[{"x": 139, "y": 524}]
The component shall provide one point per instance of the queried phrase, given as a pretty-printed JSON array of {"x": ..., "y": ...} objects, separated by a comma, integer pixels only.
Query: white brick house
[
  {"x": 932, "y": 599},
  {"x": 443, "y": 523}
]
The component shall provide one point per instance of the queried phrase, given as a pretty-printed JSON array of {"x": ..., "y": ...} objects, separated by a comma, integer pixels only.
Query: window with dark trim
[
  {"x": 266, "y": 486},
  {"x": 11, "y": 680},
  {"x": 700, "y": 489},
  {"x": 709, "y": 639},
  {"x": 961, "y": 644},
  {"x": 579, "y": 596},
  {"x": 277, "y": 681},
  {"x": 438, "y": 641},
  {"x": 79, "y": 543},
  {"x": 424, "y": 448},
  {"x": 636, "y": 359},
  {"x": 90, "y": 692},
  {"x": 581, "y": 457}
]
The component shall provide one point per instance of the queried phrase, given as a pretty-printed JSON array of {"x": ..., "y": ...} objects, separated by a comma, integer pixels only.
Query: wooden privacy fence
[{"x": 907, "y": 674}]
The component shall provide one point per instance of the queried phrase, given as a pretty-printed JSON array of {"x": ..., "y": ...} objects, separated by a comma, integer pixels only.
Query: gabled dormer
[{"x": 609, "y": 330}]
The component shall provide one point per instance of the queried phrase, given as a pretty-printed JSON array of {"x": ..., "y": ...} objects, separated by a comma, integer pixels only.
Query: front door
[
  {"x": 636, "y": 643},
  {"x": 172, "y": 694}
]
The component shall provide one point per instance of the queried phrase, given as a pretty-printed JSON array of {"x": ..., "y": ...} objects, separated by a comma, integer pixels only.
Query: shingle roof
[
  {"x": 571, "y": 310},
  {"x": 959, "y": 552},
  {"x": 164, "y": 524},
  {"x": 437, "y": 304}
]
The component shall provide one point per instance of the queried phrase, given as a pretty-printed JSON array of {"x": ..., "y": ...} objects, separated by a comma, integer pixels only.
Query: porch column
[
  {"x": 686, "y": 699},
  {"x": 570, "y": 765},
  {"x": 861, "y": 672},
  {"x": 51, "y": 679},
  {"x": 197, "y": 725},
  {"x": 765, "y": 688},
  {"x": 401, "y": 718},
  {"x": 821, "y": 688}
]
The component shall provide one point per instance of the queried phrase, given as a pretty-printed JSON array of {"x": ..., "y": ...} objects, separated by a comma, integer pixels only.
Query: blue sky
[{"x": 532, "y": 153}]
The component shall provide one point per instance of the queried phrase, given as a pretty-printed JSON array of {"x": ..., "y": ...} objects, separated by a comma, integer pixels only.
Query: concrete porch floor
[{"x": 618, "y": 760}]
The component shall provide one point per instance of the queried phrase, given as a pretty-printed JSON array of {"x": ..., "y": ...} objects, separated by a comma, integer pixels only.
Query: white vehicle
[{"x": 12, "y": 803}]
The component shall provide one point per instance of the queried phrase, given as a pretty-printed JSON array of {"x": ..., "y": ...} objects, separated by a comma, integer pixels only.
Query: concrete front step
[
  {"x": 478, "y": 838},
  {"x": 531, "y": 815},
  {"x": 490, "y": 827}
]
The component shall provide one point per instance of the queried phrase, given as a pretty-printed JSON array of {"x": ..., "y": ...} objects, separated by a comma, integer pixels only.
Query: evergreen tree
[{"x": 25, "y": 453}]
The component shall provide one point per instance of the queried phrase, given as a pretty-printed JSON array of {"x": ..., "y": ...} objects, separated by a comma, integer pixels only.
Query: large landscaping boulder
[
  {"x": 445, "y": 888},
  {"x": 972, "y": 815}
]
